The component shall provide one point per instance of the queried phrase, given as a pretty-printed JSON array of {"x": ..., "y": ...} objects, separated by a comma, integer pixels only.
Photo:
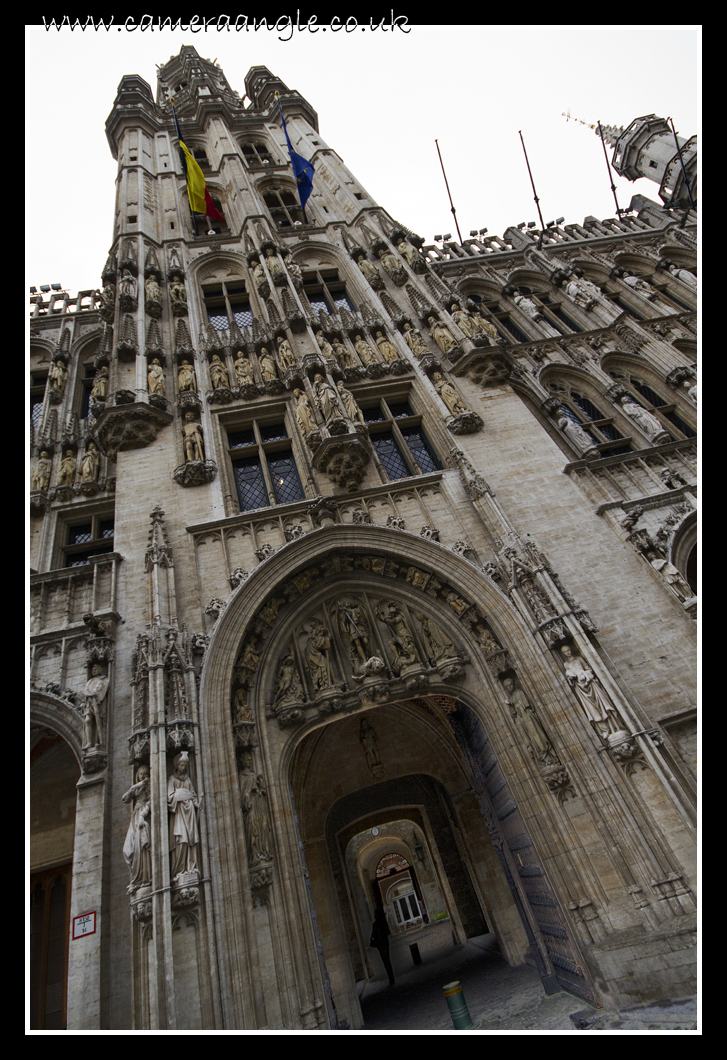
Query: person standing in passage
[{"x": 380, "y": 940}]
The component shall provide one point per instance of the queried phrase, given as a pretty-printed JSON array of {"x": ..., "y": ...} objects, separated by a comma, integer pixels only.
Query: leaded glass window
[
  {"x": 326, "y": 291},
  {"x": 90, "y": 538},
  {"x": 263, "y": 466},
  {"x": 400, "y": 442},
  {"x": 390, "y": 455},
  {"x": 225, "y": 302}
]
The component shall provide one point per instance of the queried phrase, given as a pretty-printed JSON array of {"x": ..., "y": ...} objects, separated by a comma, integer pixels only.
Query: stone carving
[
  {"x": 448, "y": 394},
  {"x": 97, "y": 687},
  {"x": 527, "y": 306},
  {"x": 324, "y": 346},
  {"x": 536, "y": 740},
  {"x": 155, "y": 378},
  {"x": 441, "y": 335},
  {"x": 402, "y": 642},
  {"x": 649, "y": 424},
  {"x": 641, "y": 286},
  {"x": 288, "y": 688},
  {"x": 414, "y": 341},
  {"x": 343, "y": 355},
  {"x": 353, "y": 412},
  {"x": 578, "y": 438},
  {"x": 152, "y": 290},
  {"x": 364, "y": 351},
  {"x": 137, "y": 845},
  {"x": 244, "y": 371},
  {"x": 187, "y": 378},
  {"x": 100, "y": 388},
  {"x": 409, "y": 254},
  {"x": 467, "y": 324},
  {"x": 317, "y": 661},
  {"x": 389, "y": 260},
  {"x": 261, "y": 280},
  {"x": 182, "y": 804},
  {"x": 668, "y": 572},
  {"x": 370, "y": 272},
  {"x": 258, "y": 833},
  {"x": 127, "y": 291},
  {"x": 218, "y": 373},
  {"x": 369, "y": 742},
  {"x": 275, "y": 267},
  {"x": 90, "y": 463},
  {"x": 57, "y": 379},
  {"x": 304, "y": 413},
  {"x": 686, "y": 277},
  {"x": 178, "y": 294},
  {"x": 386, "y": 348},
  {"x": 40, "y": 476},
  {"x": 67, "y": 472},
  {"x": 354, "y": 629},
  {"x": 592, "y": 696},
  {"x": 325, "y": 397},
  {"x": 268, "y": 367},
  {"x": 582, "y": 292},
  {"x": 193, "y": 439},
  {"x": 286, "y": 356},
  {"x": 438, "y": 645}
]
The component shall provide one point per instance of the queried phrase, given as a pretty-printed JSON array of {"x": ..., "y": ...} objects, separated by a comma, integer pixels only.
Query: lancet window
[
  {"x": 225, "y": 302},
  {"x": 284, "y": 208},
  {"x": 599, "y": 427},
  {"x": 263, "y": 465},
  {"x": 645, "y": 395},
  {"x": 38, "y": 382},
  {"x": 257, "y": 154},
  {"x": 399, "y": 440},
  {"x": 326, "y": 291},
  {"x": 92, "y": 537}
]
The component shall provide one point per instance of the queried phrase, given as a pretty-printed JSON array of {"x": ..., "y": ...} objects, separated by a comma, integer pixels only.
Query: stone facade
[{"x": 346, "y": 546}]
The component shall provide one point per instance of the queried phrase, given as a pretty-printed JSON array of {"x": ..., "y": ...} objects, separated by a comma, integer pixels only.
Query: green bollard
[{"x": 458, "y": 1007}]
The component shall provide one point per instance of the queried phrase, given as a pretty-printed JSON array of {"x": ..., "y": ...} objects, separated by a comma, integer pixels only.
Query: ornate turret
[{"x": 647, "y": 149}]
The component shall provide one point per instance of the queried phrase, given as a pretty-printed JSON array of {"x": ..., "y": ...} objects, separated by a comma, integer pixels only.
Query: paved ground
[{"x": 499, "y": 998}]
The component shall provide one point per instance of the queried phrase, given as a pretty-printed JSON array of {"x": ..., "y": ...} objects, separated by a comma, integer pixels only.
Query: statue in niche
[
  {"x": 288, "y": 688},
  {"x": 153, "y": 290},
  {"x": 137, "y": 845},
  {"x": 316, "y": 655},
  {"x": 90, "y": 463},
  {"x": 686, "y": 277},
  {"x": 537, "y": 742},
  {"x": 640, "y": 286},
  {"x": 402, "y": 642},
  {"x": 486, "y": 639},
  {"x": 241, "y": 710},
  {"x": 414, "y": 341},
  {"x": 127, "y": 285},
  {"x": 582, "y": 291},
  {"x": 108, "y": 295},
  {"x": 591, "y": 694},
  {"x": 294, "y": 272},
  {"x": 354, "y": 628},
  {"x": 155, "y": 378},
  {"x": 448, "y": 394},
  {"x": 467, "y": 324},
  {"x": 244, "y": 371},
  {"x": 187, "y": 377},
  {"x": 183, "y": 804},
  {"x": 258, "y": 832},
  {"x": 324, "y": 346},
  {"x": 268, "y": 368},
  {"x": 389, "y": 260},
  {"x": 304, "y": 413},
  {"x": 441, "y": 335},
  {"x": 193, "y": 440},
  {"x": 368, "y": 269},
  {"x": 286, "y": 356},
  {"x": 218, "y": 373},
  {"x": 643, "y": 419},
  {"x": 96, "y": 688},
  {"x": 526, "y": 305},
  {"x": 364, "y": 351},
  {"x": 67, "y": 472},
  {"x": 408, "y": 252},
  {"x": 177, "y": 291},
  {"x": 41, "y": 472},
  {"x": 577, "y": 436},
  {"x": 386, "y": 348},
  {"x": 258, "y": 274},
  {"x": 343, "y": 355},
  {"x": 670, "y": 574},
  {"x": 100, "y": 388},
  {"x": 369, "y": 742},
  {"x": 273, "y": 263},
  {"x": 325, "y": 397},
  {"x": 58, "y": 376},
  {"x": 438, "y": 646},
  {"x": 349, "y": 403}
]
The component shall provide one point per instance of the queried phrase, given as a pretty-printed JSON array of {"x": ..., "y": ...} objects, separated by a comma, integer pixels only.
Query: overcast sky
[{"x": 381, "y": 99}]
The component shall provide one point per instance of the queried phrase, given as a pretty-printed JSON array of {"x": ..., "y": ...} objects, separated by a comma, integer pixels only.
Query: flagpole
[
  {"x": 608, "y": 167},
  {"x": 454, "y": 212},
  {"x": 184, "y": 167},
  {"x": 292, "y": 163},
  {"x": 532, "y": 182}
]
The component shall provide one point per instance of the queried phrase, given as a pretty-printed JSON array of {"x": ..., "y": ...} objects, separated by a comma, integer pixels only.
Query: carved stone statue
[
  {"x": 414, "y": 341},
  {"x": 258, "y": 274},
  {"x": 538, "y": 743},
  {"x": 369, "y": 742},
  {"x": 108, "y": 295},
  {"x": 407, "y": 252},
  {"x": 286, "y": 357},
  {"x": 441, "y": 335},
  {"x": 137, "y": 846},
  {"x": 349, "y": 403},
  {"x": 258, "y": 832},
  {"x": 649, "y": 424},
  {"x": 389, "y": 260},
  {"x": 153, "y": 290},
  {"x": 368, "y": 268},
  {"x": 591, "y": 694},
  {"x": 67, "y": 472},
  {"x": 448, "y": 394},
  {"x": 354, "y": 628},
  {"x": 386, "y": 348},
  {"x": 402, "y": 642},
  {"x": 288, "y": 688},
  {"x": 93, "y": 728},
  {"x": 90, "y": 463},
  {"x": 641, "y": 286},
  {"x": 58, "y": 376},
  {"x": 324, "y": 345},
  {"x": 273, "y": 263},
  {"x": 325, "y": 397},
  {"x": 244, "y": 371},
  {"x": 127, "y": 285},
  {"x": 527, "y": 306},
  {"x": 100, "y": 388},
  {"x": 316, "y": 655},
  {"x": 218, "y": 373},
  {"x": 670, "y": 574},
  {"x": 155, "y": 378},
  {"x": 177, "y": 291},
  {"x": 577, "y": 436},
  {"x": 364, "y": 351},
  {"x": 193, "y": 439},
  {"x": 304, "y": 413},
  {"x": 187, "y": 377},
  {"x": 686, "y": 277},
  {"x": 438, "y": 645},
  {"x": 465, "y": 321},
  {"x": 343, "y": 355},
  {"x": 183, "y": 804},
  {"x": 41, "y": 472},
  {"x": 267, "y": 364}
]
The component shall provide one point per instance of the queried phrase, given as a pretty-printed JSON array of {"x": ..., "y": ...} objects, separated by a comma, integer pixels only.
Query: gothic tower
[
  {"x": 363, "y": 577},
  {"x": 647, "y": 149}
]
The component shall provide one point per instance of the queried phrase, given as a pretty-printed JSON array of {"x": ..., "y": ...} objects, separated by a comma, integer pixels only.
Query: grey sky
[{"x": 382, "y": 99}]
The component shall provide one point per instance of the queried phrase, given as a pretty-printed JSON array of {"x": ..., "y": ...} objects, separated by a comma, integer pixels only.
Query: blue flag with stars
[{"x": 302, "y": 170}]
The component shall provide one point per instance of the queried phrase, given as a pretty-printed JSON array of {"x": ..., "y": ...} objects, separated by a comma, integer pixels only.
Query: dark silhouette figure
[{"x": 380, "y": 940}]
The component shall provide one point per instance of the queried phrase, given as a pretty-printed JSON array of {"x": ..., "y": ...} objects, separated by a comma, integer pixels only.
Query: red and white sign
[{"x": 84, "y": 925}]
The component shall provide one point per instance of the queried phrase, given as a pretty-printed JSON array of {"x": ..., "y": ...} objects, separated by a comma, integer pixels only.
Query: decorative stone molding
[
  {"x": 344, "y": 459},
  {"x": 195, "y": 473},
  {"x": 129, "y": 425}
]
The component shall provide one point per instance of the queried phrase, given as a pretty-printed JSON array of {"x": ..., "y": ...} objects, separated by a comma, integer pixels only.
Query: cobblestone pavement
[{"x": 499, "y": 998}]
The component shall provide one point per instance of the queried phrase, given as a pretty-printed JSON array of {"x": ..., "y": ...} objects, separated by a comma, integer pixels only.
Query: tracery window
[
  {"x": 263, "y": 465},
  {"x": 284, "y": 207},
  {"x": 599, "y": 427},
  {"x": 225, "y": 302},
  {"x": 326, "y": 291},
  {"x": 399, "y": 441},
  {"x": 91, "y": 537},
  {"x": 499, "y": 319},
  {"x": 257, "y": 154},
  {"x": 645, "y": 395}
]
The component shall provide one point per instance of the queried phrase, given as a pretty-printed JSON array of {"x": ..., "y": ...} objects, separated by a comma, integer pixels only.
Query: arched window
[
  {"x": 326, "y": 291},
  {"x": 257, "y": 154},
  {"x": 284, "y": 207},
  {"x": 599, "y": 427},
  {"x": 653, "y": 402}
]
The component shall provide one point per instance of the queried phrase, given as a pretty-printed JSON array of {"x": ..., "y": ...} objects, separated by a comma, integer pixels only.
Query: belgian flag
[{"x": 200, "y": 200}]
